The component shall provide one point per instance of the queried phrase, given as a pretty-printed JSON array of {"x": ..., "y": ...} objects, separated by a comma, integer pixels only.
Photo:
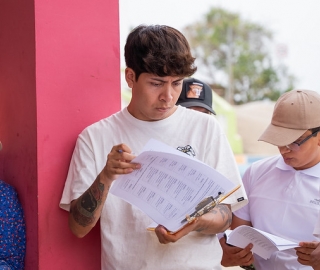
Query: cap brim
[
  {"x": 280, "y": 136},
  {"x": 196, "y": 104}
]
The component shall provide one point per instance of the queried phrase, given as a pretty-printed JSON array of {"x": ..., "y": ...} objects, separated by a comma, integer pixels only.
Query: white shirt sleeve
[{"x": 244, "y": 212}]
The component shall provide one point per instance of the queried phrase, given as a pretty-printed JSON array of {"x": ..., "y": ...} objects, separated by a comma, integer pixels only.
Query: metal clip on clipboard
[{"x": 206, "y": 205}]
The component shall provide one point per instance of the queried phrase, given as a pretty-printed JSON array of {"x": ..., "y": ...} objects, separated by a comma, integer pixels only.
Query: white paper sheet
[
  {"x": 169, "y": 186},
  {"x": 264, "y": 244}
]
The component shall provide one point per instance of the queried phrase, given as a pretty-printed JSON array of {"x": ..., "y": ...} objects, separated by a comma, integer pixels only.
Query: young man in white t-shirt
[
  {"x": 283, "y": 190},
  {"x": 158, "y": 58}
]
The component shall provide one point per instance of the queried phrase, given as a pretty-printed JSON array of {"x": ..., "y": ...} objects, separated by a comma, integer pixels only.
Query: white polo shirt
[{"x": 284, "y": 202}]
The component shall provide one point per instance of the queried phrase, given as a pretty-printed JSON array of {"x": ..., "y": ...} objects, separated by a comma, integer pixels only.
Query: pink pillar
[{"x": 59, "y": 72}]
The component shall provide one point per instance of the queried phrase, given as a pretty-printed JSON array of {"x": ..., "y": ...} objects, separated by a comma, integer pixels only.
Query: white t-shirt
[
  {"x": 284, "y": 202},
  {"x": 126, "y": 244}
]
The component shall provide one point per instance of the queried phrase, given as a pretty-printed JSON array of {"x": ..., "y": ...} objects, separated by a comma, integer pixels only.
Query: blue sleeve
[
  {"x": 5, "y": 266},
  {"x": 12, "y": 229}
]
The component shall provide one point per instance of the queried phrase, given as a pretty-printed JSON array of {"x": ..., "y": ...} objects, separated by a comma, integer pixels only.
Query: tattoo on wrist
[
  {"x": 226, "y": 214},
  {"x": 85, "y": 208}
]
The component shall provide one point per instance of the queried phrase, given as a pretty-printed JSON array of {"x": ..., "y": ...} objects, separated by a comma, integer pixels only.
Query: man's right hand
[
  {"x": 119, "y": 162},
  {"x": 235, "y": 256},
  {"x": 86, "y": 210}
]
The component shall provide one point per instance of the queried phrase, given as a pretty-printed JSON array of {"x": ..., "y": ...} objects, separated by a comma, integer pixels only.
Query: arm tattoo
[
  {"x": 225, "y": 214},
  {"x": 85, "y": 207}
]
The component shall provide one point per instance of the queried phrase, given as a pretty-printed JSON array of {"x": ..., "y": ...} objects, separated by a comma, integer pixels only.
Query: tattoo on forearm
[
  {"x": 84, "y": 210},
  {"x": 225, "y": 214}
]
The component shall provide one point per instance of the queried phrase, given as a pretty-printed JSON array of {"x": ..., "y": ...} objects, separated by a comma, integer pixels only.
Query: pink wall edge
[{"x": 58, "y": 74}]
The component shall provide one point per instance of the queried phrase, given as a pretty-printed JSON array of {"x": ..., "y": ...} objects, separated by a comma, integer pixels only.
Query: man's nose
[
  {"x": 166, "y": 94},
  {"x": 284, "y": 149}
]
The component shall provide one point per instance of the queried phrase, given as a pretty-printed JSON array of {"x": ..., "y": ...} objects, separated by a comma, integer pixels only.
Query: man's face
[
  {"x": 307, "y": 156},
  {"x": 153, "y": 97}
]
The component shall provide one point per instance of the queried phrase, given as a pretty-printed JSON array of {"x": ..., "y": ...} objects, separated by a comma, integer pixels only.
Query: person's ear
[{"x": 130, "y": 77}]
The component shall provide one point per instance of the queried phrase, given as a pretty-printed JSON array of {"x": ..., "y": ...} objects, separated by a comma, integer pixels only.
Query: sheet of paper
[
  {"x": 155, "y": 145},
  {"x": 264, "y": 244},
  {"x": 169, "y": 186}
]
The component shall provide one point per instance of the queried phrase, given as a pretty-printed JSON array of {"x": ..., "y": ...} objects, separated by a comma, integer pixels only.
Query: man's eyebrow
[
  {"x": 165, "y": 81},
  {"x": 180, "y": 79},
  {"x": 158, "y": 79}
]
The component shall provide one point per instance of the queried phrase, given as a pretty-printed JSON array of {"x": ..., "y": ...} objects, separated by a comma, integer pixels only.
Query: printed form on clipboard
[{"x": 170, "y": 185}]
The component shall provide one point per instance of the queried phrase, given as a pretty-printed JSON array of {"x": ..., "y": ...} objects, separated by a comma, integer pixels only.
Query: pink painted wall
[
  {"x": 18, "y": 123},
  {"x": 59, "y": 72}
]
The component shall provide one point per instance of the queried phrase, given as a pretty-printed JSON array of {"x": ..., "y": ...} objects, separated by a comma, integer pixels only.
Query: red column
[{"x": 59, "y": 72}]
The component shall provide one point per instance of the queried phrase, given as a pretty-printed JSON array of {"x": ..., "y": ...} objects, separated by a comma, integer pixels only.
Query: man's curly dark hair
[{"x": 160, "y": 50}]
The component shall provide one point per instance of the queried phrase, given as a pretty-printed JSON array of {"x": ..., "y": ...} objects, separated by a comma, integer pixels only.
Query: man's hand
[
  {"x": 235, "y": 256},
  {"x": 119, "y": 162},
  {"x": 166, "y": 237},
  {"x": 86, "y": 210},
  {"x": 213, "y": 222},
  {"x": 309, "y": 254}
]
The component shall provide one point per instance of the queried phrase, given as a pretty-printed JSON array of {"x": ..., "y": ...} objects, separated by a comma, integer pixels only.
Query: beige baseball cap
[{"x": 294, "y": 113}]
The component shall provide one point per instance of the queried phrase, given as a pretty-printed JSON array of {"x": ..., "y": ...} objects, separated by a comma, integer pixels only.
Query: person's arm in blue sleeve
[{"x": 12, "y": 229}]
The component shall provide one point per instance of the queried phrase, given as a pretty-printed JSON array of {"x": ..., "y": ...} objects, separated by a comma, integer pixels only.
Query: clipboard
[{"x": 205, "y": 206}]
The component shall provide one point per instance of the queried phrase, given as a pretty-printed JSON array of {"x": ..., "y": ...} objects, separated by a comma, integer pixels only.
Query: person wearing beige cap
[{"x": 284, "y": 190}]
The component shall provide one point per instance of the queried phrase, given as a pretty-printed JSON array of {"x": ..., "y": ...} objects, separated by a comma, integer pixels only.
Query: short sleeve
[{"x": 244, "y": 212}]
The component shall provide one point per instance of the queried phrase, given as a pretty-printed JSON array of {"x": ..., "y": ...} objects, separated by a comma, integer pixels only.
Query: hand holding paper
[
  {"x": 169, "y": 186},
  {"x": 264, "y": 244}
]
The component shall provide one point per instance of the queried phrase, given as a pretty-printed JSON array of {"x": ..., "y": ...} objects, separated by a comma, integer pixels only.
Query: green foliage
[{"x": 235, "y": 53}]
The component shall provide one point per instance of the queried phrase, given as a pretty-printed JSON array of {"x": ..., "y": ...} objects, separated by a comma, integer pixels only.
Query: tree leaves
[{"x": 236, "y": 54}]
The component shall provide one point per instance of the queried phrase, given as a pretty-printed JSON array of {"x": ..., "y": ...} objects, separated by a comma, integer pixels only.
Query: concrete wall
[{"x": 59, "y": 72}]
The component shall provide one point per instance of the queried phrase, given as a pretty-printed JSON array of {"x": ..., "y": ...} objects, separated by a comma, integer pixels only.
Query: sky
[{"x": 294, "y": 23}]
